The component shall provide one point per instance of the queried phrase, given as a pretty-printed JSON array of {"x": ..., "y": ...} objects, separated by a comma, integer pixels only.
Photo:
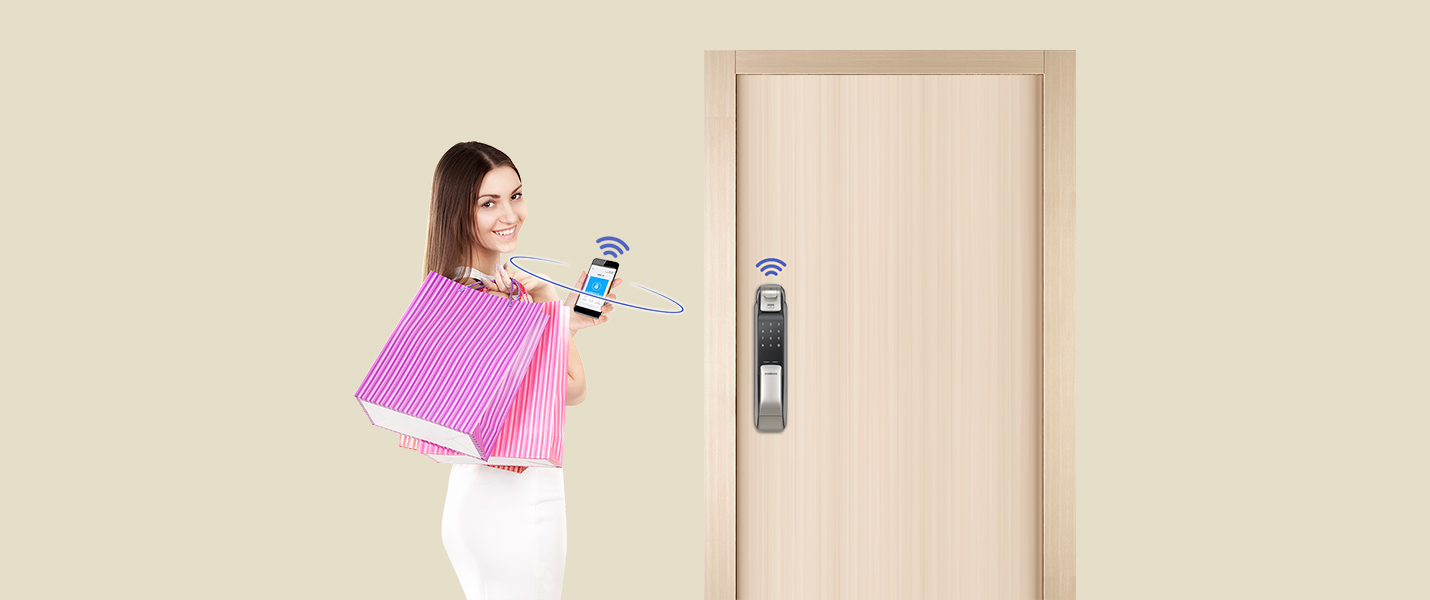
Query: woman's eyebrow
[{"x": 518, "y": 189}]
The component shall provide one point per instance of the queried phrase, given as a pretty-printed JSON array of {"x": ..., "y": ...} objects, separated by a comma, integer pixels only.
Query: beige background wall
[{"x": 212, "y": 218}]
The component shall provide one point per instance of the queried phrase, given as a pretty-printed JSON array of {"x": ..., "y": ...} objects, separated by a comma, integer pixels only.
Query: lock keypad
[{"x": 770, "y": 339}]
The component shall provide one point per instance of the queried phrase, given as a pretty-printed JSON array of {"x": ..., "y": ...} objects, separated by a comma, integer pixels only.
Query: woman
[{"x": 505, "y": 532}]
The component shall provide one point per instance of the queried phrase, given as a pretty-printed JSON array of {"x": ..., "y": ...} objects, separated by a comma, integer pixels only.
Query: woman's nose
[{"x": 507, "y": 215}]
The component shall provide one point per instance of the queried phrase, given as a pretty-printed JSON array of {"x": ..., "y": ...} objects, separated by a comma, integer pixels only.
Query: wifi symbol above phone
[{"x": 613, "y": 246}]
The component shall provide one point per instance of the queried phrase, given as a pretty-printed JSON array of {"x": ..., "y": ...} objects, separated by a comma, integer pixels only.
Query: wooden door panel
[{"x": 908, "y": 209}]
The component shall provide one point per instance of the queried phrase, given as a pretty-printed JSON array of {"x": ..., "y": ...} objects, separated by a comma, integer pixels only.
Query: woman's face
[{"x": 500, "y": 210}]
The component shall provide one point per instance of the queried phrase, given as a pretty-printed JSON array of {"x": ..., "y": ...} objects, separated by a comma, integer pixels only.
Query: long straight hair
[{"x": 451, "y": 227}]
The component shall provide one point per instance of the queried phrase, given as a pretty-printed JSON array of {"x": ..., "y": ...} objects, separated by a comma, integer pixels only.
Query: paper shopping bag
[
  {"x": 451, "y": 370},
  {"x": 535, "y": 427},
  {"x": 447, "y": 455}
]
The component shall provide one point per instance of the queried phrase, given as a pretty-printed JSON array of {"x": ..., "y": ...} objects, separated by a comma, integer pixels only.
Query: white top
[{"x": 461, "y": 272}]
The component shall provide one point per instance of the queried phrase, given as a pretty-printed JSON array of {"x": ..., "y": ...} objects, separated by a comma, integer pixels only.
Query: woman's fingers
[
  {"x": 524, "y": 278},
  {"x": 586, "y": 321},
  {"x": 527, "y": 279},
  {"x": 496, "y": 283},
  {"x": 537, "y": 285},
  {"x": 508, "y": 280},
  {"x": 610, "y": 293}
]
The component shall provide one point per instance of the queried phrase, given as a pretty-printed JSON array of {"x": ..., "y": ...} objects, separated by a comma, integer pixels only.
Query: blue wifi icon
[
  {"x": 770, "y": 266},
  {"x": 613, "y": 246}
]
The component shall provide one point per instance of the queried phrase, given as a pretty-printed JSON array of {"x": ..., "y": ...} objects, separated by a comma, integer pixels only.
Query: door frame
[{"x": 1057, "y": 67}]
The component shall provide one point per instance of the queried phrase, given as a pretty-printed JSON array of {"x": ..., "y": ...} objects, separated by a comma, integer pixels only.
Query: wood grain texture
[
  {"x": 751, "y": 62},
  {"x": 909, "y": 210},
  {"x": 1059, "y": 331},
  {"x": 719, "y": 323}
]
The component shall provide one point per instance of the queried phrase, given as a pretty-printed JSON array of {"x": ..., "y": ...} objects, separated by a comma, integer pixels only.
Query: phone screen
[{"x": 598, "y": 280}]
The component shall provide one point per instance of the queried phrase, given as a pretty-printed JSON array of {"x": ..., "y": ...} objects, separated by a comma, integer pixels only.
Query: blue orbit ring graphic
[{"x": 679, "y": 309}]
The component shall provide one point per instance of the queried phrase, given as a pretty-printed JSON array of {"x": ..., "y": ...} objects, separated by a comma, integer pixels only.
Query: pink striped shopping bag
[
  {"x": 446, "y": 455},
  {"x": 535, "y": 428},
  {"x": 451, "y": 370}
]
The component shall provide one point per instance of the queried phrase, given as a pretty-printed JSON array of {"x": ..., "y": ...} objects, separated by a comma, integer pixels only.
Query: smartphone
[{"x": 598, "y": 280}]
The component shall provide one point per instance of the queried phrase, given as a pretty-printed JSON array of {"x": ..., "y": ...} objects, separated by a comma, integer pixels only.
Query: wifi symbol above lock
[{"x": 770, "y": 266}]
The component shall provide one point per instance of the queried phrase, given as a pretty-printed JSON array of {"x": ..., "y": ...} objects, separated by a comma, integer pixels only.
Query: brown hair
[{"x": 451, "y": 231}]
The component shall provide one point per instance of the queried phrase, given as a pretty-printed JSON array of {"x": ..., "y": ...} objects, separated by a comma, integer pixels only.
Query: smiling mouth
[{"x": 505, "y": 232}]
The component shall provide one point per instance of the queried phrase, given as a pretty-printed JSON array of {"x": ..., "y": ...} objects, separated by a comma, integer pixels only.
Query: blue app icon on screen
[{"x": 596, "y": 286}]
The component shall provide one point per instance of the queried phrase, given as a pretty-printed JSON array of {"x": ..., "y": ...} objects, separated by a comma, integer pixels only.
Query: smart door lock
[{"x": 771, "y": 412}]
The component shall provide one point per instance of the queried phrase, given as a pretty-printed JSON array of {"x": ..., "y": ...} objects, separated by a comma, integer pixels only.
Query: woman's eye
[
  {"x": 484, "y": 204},
  {"x": 516, "y": 196}
]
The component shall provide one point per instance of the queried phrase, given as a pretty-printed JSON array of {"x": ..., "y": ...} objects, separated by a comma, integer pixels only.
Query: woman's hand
[
  {"x": 539, "y": 289},
  {"x": 499, "y": 284},
  {"x": 580, "y": 321}
]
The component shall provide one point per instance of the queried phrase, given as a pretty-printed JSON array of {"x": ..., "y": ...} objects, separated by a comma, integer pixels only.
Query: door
[{"x": 906, "y": 213}]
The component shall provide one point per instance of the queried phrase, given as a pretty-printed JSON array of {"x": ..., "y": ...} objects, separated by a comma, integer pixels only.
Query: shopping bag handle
[{"x": 517, "y": 291}]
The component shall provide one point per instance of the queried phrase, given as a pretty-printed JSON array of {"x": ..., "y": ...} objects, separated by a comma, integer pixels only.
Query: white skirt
[{"x": 505, "y": 532}]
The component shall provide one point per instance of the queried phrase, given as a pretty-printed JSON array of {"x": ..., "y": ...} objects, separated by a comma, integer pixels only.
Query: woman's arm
[
  {"x": 575, "y": 376},
  {"x": 575, "y": 371}
]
